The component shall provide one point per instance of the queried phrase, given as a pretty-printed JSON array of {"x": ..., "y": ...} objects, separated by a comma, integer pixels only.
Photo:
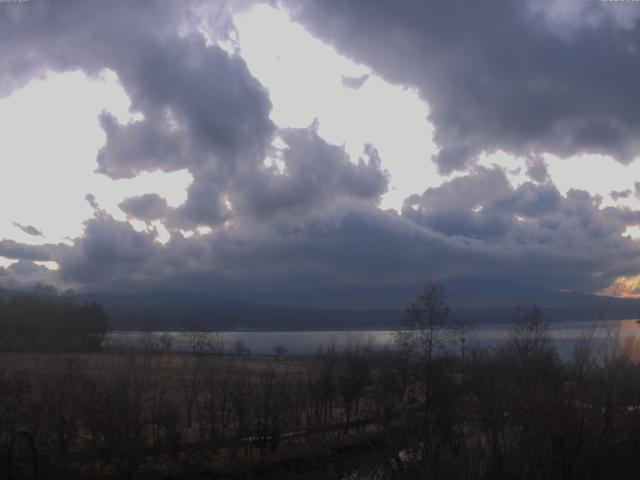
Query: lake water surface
[{"x": 565, "y": 335}]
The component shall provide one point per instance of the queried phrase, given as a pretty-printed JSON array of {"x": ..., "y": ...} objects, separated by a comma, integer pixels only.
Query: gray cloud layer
[
  {"x": 530, "y": 234},
  {"x": 148, "y": 207},
  {"x": 522, "y": 76},
  {"x": 20, "y": 251},
  {"x": 202, "y": 109},
  {"x": 29, "y": 230},
  {"x": 307, "y": 228}
]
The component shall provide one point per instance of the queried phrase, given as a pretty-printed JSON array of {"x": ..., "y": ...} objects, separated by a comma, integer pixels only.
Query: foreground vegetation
[{"x": 417, "y": 410}]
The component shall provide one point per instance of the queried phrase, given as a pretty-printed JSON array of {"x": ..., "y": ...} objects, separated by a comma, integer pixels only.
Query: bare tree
[
  {"x": 150, "y": 342},
  {"x": 217, "y": 343},
  {"x": 354, "y": 378},
  {"x": 166, "y": 341},
  {"x": 198, "y": 342},
  {"x": 426, "y": 323},
  {"x": 425, "y": 333},
  {"x": 192, "y": 384},
  {"x": 239, "y": 347},
  {"x": 216, "y": 408},
  {"x": 279, "y": 350}
]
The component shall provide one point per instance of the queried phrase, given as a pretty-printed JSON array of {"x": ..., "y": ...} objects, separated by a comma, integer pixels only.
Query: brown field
[{"x": 176, "y": 413}]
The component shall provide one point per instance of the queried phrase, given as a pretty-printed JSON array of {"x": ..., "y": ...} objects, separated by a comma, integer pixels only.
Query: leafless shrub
[
  {"x": 151, "y": 343},
  {"x": 279, "y": 350},
  {"x": 354, "y": 378},
  {"x": 197, "y": 342},
  {"x": 119, "y": 416},
  {"x": 217, "y": 343},
  {"x": 192, "y": 383},
  {"x": 166, "y": 342},
  {"x": 240, "y": 347},
  {"x": 216, "y": 413}
]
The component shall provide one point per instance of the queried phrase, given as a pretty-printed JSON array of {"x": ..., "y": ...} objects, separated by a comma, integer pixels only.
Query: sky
[{"x": 320, "y": 153}]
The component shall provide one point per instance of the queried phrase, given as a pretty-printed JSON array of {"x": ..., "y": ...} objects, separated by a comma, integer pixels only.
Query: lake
[{"x": 565, "y": 335}]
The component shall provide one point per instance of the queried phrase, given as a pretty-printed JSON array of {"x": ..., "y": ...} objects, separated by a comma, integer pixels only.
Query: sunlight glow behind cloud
[
  {"x": 305, "y": 81},
  {"x": 51, "y": 136},
  {"x": 597, "y": 174}
]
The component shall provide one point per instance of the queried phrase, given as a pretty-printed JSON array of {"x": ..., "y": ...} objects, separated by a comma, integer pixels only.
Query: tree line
[{"x": 51, "y": 322}]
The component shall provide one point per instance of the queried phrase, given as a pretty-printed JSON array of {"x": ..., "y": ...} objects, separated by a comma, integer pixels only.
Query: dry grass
[{"x": 73, "y": 385}]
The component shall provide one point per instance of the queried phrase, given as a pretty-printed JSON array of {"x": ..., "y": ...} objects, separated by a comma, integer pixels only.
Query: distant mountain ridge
[
  {"x": 167, "y": 310},
  {"x": 7, "y": 294},
  {"x": 175, "y": 310}
]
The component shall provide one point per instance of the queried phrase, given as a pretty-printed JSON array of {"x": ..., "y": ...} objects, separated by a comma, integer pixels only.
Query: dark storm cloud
[
  {"x": 202, "y": 111},
  {"x": 529, "y": 234},
  {"x": 20, "y": 251},
  {"x": 618, "y": 194},
  {"x": 150, "y": 206},
  {"x": 537, "y": 169},
  {"x": 91, "y": 200},
  {"x": 268, "y": 210},
  {"x": 519, "y": 76},
  {"x": 29, "y": 230},
  {"x": 108, "y": 250},
  {"x": 26, "y": 267},
  {"x": 534, "y": 224},
  {"x": 201, "y": 108},
  {"x": 307, "y": 227},
  {"x": 340, "y": 246},
  {"x": 315, "y": 174},
  {"x": 354, "y": 82},
  {"x": 205, "y": 198},
  {"x": 24, "y": 275}
]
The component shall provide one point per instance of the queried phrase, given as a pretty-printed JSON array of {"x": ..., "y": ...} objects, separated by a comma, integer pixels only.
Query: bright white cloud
[
  {"x": 597, "y": 174},
  {"x": 49, "y": 265},
  {"x": 5, "y": 262}
]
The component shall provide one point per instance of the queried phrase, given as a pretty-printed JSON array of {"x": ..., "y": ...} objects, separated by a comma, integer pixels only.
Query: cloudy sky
[{"x": 320, "y": 152}]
